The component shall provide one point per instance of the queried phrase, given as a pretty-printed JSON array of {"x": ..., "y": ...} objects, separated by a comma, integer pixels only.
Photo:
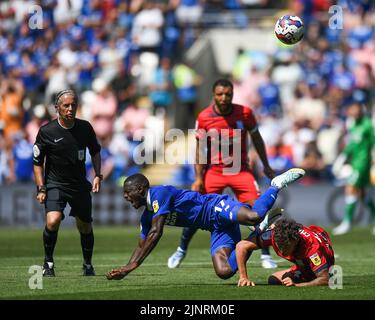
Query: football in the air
[{"x": 289, "y": 29}]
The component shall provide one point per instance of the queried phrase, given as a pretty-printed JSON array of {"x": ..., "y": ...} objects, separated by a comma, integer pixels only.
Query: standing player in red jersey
[
  {"x": 222, "y": 157},
  {"x": 309, "y": 248}
]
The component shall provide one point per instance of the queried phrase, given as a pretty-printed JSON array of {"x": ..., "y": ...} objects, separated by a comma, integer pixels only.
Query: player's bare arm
[
  {"x": 322, "y": 279},
  {"x": 260, "y": 148},
  {"x": 243, "y": 251},
  {"x": 198, "y": 184},
  {"x": 96, "y": 162},
  {"x": 142, "y": 251},
  {"x": 141, "y": 243}
]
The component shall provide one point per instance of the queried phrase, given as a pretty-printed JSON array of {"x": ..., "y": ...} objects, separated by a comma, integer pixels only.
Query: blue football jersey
[{"x": 184, "y": 208}]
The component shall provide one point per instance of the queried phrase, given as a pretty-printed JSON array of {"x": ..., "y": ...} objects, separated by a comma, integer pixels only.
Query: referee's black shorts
[{"x": 80, "y": 202}]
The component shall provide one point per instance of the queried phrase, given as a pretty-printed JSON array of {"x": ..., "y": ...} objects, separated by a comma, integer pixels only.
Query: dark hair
[
  {"x": 136, "y": 180},
  {"x": 285, "y": 232},
  {"x": 222, "y": 83},
  {"x": 61, "y": 93}
]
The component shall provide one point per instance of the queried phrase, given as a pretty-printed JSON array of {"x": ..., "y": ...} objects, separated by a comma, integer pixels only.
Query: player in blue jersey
[{"x": 219, "y": 214}]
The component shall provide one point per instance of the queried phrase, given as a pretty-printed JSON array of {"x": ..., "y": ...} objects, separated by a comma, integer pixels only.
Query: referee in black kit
[{"x": 60, "y": 148}]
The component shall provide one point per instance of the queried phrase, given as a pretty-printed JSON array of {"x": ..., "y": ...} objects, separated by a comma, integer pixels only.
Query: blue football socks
[{"x": 265, "y": 201}]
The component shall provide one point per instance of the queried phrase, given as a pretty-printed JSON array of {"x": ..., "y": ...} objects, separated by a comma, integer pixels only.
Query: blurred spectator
[
  {"x": 11, "y": 112},
  {"x": 107, "y": 161},
  {"x": 85, "y": 67},
  {"x": 147, "y": 26},
  {"x": 183, "y": 176},
  {"x": 308, "y": 106},
  {"x": 134, "y": 119},
  {"x": 119, "y": 149},
  {"x": 189, "y": 12},
  {"x": 57, "y": 79},
  {"x": 39, "y": 118},
  {"x": 23, "y": 158},
  {"x": 300, "y": 135},
  {"x": 312, "y": 163},
  {"x": 143, "y": 68},
  {"x": 7, "y": 14},
  {"x": 286, "y": 74},
  {"x": 253, "y": 79},
  {"x": 186, "y": 82},
  {"x": 28, "y": 73},
  {"x": 270, "y": 103},
  {"x": 172, "y": 33},
  {"x": 103, "y": 109},
  {"x": 109, "y": 59},
  {"x": 6, "y": 160},
  {"x": 123, "y": 88},
  {"x": 328, "y": 140},
  {"x": 160, "y": 88},
  {"x": 241, "y": 65},
  {"x": 280, "y": 157},
  {"x": 272, "y": 128},
  {"x": 65, "y": 10}
]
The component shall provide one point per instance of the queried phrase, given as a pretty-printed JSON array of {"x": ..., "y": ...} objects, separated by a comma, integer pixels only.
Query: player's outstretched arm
[
  {"x": 142, "y": 251},
  {"x": 243, "y": 251}
]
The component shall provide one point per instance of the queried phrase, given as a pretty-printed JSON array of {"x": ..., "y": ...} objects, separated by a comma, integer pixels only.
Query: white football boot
[
  {"x": 175, "y": 260},
  {"x": 286, "y": 178}
]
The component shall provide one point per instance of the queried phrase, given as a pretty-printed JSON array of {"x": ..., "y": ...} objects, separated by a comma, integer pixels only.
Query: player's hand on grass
[
  {"x": 288, "y": 282},
  {"x": 245, "y": 282},
  {"x": 117, "y": 274}
]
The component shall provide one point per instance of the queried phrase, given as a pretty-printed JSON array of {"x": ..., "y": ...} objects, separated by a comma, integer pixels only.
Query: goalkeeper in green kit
[{"x": 358, "y": 153}]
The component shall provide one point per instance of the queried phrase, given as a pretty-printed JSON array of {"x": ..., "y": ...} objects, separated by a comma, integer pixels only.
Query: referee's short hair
[{"x": 61, "y": 93}]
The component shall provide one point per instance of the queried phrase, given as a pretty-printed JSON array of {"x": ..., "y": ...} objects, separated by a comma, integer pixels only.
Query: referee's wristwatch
[
  {"x": 100, "y": 176},
  {"x": 41, "y": 189}
]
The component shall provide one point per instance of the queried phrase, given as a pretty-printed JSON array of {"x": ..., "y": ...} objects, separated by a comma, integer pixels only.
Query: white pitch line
[{"x": 96, "y": 265}]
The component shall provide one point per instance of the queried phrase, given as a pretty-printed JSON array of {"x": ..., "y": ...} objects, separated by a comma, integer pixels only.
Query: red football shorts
[{"x": 243, "y": 184}]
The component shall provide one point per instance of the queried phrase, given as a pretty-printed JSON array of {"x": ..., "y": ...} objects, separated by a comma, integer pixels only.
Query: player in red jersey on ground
[
  {"x": 309, "y": 248},
  {"x": 222, "y": 131}
]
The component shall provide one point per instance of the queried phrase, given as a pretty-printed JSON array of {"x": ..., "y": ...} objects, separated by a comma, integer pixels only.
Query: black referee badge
[{"x": 81, "y": 155}]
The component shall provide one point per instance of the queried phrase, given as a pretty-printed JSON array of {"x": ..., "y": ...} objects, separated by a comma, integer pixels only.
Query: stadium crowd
[{"x": 124, "y": 58}]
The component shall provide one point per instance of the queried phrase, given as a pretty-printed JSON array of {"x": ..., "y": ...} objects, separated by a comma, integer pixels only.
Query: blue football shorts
[{"x": 226, "y": 232}]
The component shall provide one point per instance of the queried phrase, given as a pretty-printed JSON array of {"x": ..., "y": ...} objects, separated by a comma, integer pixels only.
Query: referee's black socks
[
  {"x": 87, "y": 244},
  {"x": 49, "y": 242}
]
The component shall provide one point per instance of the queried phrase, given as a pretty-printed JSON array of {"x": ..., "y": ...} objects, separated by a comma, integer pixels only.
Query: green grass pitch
[{"x": 195, "y": 279}]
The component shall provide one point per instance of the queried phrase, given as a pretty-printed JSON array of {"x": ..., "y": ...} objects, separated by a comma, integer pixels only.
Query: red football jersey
[
  {"x": 226, "y": 135},
  {"x": 314, "y": 251}
]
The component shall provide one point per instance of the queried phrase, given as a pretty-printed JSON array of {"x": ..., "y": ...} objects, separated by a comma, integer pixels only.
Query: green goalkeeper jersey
[{"x": 361, "y": 141}]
